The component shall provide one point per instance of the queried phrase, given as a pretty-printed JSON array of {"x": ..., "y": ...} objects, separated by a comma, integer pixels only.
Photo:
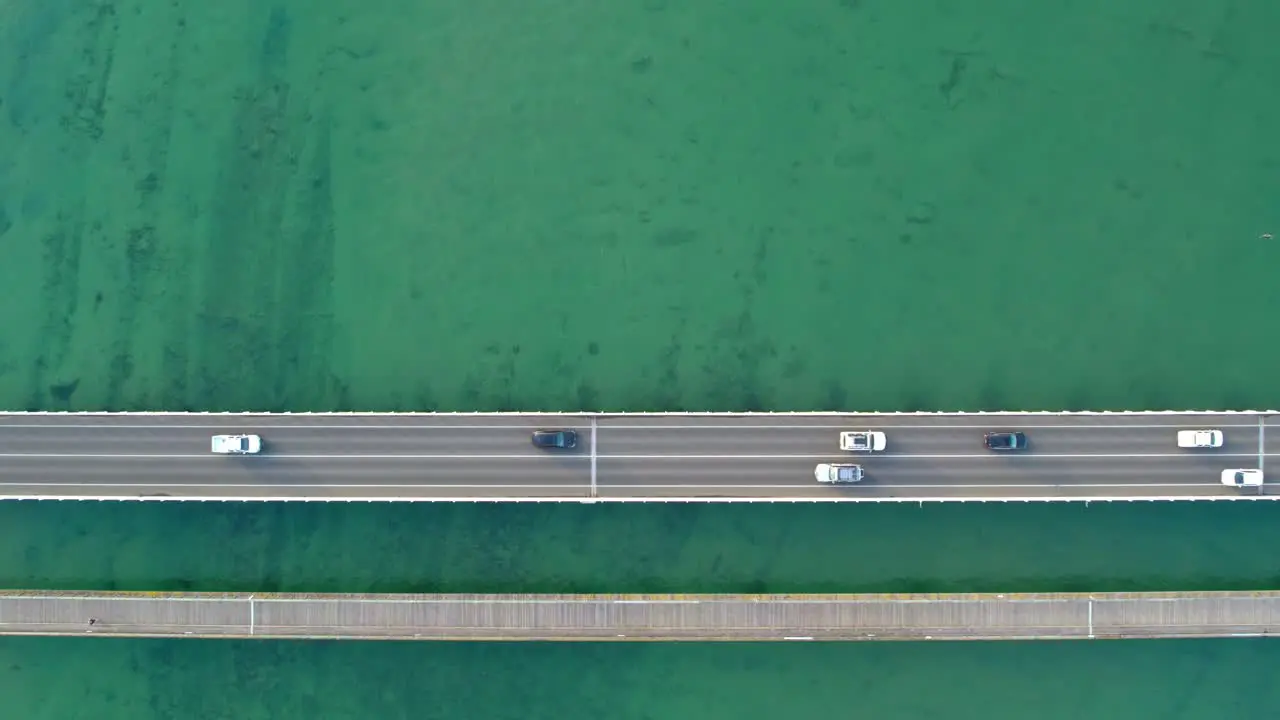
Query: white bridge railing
[
  {"x": 595, "y": 413},
  {"x": 584, "y": 500}
]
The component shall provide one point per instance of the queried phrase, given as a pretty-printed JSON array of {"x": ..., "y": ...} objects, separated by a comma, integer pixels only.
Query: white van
[
  {"x": 1200, "y": 438},
  {"x": 236, "y": 444}
]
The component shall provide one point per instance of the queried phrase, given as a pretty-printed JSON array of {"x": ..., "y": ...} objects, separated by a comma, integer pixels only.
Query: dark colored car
[
  {"x": 1005, "y": 441},
  {"x": 555, "y": 439}
]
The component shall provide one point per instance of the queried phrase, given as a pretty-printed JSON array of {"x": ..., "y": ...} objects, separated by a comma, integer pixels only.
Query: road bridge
[{"x": 623, "y": 457}]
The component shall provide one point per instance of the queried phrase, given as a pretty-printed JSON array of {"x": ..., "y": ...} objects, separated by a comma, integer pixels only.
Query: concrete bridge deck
[
  {"x": 643, "y": 617},
  {"x": 764, "y": 457}
]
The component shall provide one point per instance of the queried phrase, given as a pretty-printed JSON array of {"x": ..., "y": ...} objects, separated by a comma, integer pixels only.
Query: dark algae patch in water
[
  {"x": 762, "y": 205},
  {"x": 639, "y": 205}
]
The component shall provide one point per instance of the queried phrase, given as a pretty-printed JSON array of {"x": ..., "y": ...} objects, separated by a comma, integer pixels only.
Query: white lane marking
[
  {"x": 891, "y": 486},
  {"x": 272, "y": 426},
  {"x": 267, "y": 457},
  {"x": 655, "y": 413},
  {"x": 618, "y": 486},
  {"x": 668, "y": 500},
  {"x": 163, "y": 485},
  {"x": 594, "y": 455},
  {"x": 869, "y": 459},
  {"x": 854, "y": 424},
  {"x": 889, "y": 427}
]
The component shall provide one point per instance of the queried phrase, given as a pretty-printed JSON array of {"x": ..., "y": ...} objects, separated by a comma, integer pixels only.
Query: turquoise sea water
[
  {"x": 644, "y": 204},
  {"x": 678, "y": 548},
  {"x": 195, "y": 680},
  {"x": 641, "y": 204}
]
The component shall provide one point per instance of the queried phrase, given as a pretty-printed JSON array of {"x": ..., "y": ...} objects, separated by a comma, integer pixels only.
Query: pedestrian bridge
[{"x": 1014, "y": 616}]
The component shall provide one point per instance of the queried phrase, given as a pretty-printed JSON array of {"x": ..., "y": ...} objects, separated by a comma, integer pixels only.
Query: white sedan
[
  {"x": 237, "y": 444},
  {"x": 1200, "y": 438},
  {"x": 1242, "y": 478},
  {"x": 862, "y": 441}
]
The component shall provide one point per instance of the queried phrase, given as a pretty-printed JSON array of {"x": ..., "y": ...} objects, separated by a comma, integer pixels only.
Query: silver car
[{"x": 837, "y": 473}]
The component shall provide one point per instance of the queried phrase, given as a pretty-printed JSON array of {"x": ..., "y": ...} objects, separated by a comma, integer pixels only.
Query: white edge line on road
[
  {"x": 620, "y": 487},
  {"x": 870, "y": 458},
  {"x": 849, "y": 599},
  {"x": 561, "y": 414},
  {"x": 267, "y": 457},
  {"x": 685, "y": 500},
  {"x": 336, "y": 486},
  {"x": 266, "y": 427}
]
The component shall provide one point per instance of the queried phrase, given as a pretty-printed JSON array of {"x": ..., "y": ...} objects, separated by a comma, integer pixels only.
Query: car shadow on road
[{"x": 274, "y": 472}]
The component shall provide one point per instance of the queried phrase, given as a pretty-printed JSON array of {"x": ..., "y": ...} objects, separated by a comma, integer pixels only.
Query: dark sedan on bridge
[
  {"x": 555, "y": 439},
  {"x": 1005, "y": 441}
]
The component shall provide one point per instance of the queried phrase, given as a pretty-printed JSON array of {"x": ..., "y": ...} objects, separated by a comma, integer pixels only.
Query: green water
[
  {"x": 192, "y": 680},
  {"x": 609, "y": 548},
  {"x": 641, "y": 204},
  {"x": 679, "y": 548}
]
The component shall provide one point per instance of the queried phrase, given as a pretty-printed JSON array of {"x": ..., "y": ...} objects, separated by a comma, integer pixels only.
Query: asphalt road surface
[{"x": 636, "y": 457}]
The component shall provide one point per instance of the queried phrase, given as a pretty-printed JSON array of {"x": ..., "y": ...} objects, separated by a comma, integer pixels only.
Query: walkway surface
[
  {"x": 640, "y": 617},
  {"x": 622, "y": 457}
]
